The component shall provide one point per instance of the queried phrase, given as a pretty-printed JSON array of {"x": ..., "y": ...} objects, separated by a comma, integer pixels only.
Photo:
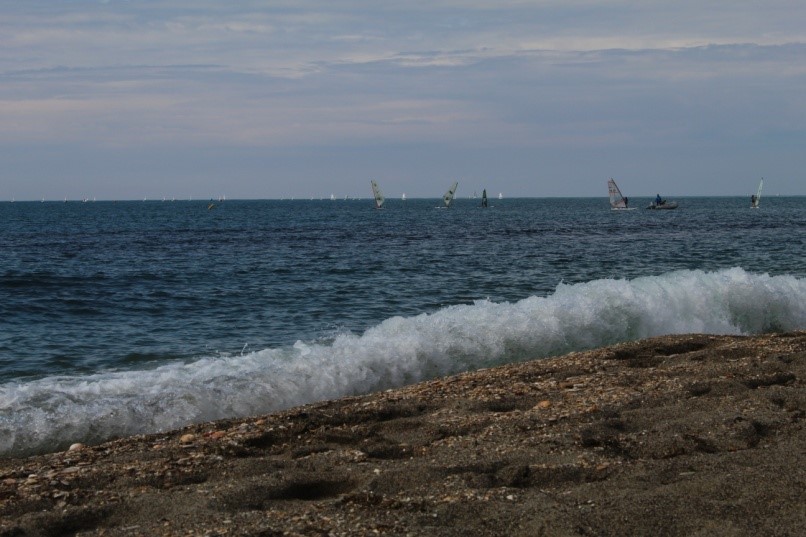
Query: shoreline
[{"x": 673, "y": 435}]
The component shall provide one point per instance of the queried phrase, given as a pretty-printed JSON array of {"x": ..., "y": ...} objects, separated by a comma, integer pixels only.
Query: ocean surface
[{"x": 119, "y": 318}]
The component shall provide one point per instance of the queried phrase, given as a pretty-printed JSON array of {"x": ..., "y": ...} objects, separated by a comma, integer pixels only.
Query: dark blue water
[{"x": 90, "y": 289}]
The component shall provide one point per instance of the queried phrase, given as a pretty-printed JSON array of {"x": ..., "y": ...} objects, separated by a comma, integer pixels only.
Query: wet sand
[{"x": 678, "y": 435}]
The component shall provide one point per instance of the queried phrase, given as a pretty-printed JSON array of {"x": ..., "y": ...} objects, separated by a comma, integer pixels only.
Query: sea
[{"x": 121, "y": 318}]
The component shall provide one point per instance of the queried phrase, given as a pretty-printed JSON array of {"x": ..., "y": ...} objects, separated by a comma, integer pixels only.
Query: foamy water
[{"x": 50, "y": 413}]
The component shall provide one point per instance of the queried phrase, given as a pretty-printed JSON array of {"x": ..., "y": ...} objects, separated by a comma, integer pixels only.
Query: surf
[{"x": 49, "y": 414}]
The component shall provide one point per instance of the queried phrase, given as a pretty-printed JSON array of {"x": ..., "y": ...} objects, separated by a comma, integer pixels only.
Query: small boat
[
  {"x": 617, "y": 201},
  {"x": 447, "y": 199},
  {"x": 376, "y": 192},
  {"x": 500, "y": 196},
  {"x": 484, "y": 198},
  {"x": 659, "y": 204},
  {"x": 754, "y": 200},
  {"x": 403, "y": 197}
]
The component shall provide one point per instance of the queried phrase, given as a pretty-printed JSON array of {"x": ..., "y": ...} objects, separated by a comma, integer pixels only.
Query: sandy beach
[{"x": 676, "y": 435}]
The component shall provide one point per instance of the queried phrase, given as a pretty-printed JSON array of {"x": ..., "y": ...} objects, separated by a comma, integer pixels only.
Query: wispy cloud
[{"x": 540, "y": 75}]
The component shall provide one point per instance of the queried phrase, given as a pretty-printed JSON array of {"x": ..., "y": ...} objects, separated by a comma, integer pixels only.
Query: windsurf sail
[
  {"x": 617, "y": 201},
  {"x": 755, "y": 201},
  {"x": 484, "y": 198},
  {"x": 448, "y": 197},
  {"x": 379, "y": 199}
]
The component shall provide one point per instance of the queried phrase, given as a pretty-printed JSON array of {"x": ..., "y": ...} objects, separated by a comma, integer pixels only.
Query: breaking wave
[{"x": 50, "y": 413}]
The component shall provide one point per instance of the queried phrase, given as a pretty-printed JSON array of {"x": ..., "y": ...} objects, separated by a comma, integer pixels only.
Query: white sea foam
[{"x": 51, "y": 413}]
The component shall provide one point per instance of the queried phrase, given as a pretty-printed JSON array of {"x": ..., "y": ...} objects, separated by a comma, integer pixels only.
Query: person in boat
[
  {"x": 658, "y": 200},
  {"x": 626, "y": 202},
  {"x": 753, "y": 200}
]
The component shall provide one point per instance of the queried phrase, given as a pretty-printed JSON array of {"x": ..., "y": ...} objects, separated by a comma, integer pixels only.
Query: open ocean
[{"x": 135, "y": 317}]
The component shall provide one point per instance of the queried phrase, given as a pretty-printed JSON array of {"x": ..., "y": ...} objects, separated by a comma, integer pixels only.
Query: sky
[{"x": 193, "y": 98}]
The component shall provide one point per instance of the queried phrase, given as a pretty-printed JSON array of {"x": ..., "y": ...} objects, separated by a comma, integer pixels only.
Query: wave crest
[{"x": 50, "y": 413}]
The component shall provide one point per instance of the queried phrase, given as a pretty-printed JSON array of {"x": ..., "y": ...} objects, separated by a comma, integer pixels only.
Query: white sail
[
  {"x": 448, "y": 197},
  {"x": 376, "y": 192},
  {"x": 617, "y": 201},
  {"x": 755, "y": 201}
]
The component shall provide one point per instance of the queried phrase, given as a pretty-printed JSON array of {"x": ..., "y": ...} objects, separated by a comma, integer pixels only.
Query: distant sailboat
[
  {"x": 500, "y": 196},
  {"x": 333, "y": 197},
  {"x": 447, "y": 199},
  {"x": 755, "y": 200},
  {"x": 403, "y": 197},
  {"x": 484, "y": 198},
  {"x": 376, "y": 192},
  {"x": 617, "y": 201}
]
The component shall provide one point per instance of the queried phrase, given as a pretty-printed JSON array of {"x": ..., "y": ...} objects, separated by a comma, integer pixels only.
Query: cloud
[{"x": 574, "y": 75}]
